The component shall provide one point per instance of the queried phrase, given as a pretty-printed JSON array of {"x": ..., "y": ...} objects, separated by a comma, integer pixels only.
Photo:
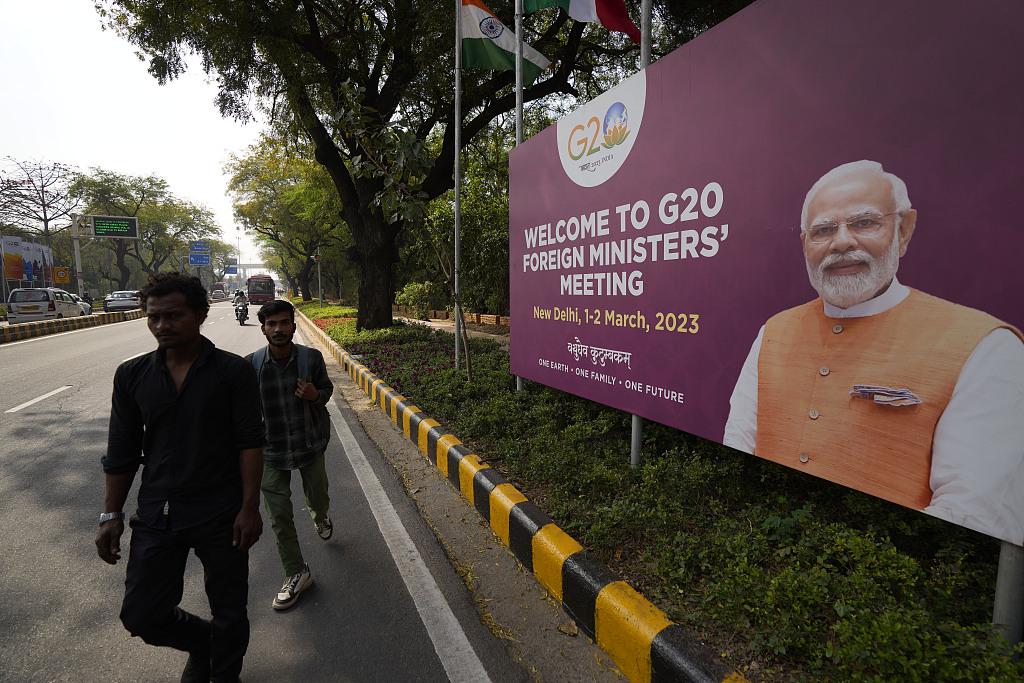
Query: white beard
[{"x": 843, "y": 291}]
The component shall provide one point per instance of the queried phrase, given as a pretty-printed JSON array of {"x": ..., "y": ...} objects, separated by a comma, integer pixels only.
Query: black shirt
[{"x": 189, "y": 442}]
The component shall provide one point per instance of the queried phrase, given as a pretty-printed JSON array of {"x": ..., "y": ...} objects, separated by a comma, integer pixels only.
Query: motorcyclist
[{"x": 241, "y": 305}]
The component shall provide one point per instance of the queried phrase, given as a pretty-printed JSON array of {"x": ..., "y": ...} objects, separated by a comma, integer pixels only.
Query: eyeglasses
[{"x": 867, "y": 224}]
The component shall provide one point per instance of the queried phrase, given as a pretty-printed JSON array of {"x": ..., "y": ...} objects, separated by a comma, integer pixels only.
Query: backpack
[{"x": 317, "y": 421}]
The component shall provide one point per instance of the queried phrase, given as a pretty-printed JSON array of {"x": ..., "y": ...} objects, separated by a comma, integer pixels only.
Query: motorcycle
[{"x": 242, "y": 312}]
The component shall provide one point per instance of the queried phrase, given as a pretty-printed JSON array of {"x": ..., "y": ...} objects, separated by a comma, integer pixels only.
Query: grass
[{"x": 790, "y": 577}]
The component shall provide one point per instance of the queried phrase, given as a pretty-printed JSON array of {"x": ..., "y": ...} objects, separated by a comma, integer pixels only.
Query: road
[{"x": 59, "y": 603}]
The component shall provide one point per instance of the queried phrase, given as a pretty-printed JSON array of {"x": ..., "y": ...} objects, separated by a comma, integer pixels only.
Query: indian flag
[
  {"x": 611, "y": 14},
  {"x": 488, "y": 44}
]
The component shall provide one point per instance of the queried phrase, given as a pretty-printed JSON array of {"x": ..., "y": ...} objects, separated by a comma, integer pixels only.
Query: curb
[
  {"x": 41, "y": 328},
  {"x": 643, "y": 642}
]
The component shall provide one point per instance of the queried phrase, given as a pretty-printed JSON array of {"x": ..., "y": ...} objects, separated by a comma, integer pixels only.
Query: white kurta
[{"x": 977, "y": 476}]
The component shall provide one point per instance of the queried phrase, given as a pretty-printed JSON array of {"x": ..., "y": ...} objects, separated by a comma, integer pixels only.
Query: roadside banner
[
  {"x": 798, "y": 235},
  {"x": 26, "y": 261}
]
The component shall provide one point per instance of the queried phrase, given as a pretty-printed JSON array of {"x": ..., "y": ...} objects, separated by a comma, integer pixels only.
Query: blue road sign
[
  {"x": 232, "y": 270},
  {"x": 199, "y": 247},
  {"x": 195, "y": 259}
]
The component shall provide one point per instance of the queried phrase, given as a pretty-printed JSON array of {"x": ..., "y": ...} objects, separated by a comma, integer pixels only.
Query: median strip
[{"x": 41, "y": 328}]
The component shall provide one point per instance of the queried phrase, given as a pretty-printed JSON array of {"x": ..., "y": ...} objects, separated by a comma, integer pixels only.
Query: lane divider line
[
  {"x": 36, "y": 400},
  {"x": 639, "y": 637},
  {"x": 450, "y": 642}
]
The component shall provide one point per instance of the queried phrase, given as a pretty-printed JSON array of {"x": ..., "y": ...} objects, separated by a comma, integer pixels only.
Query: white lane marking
[
  {"x": 61, "y": 334},
  {"x": 450, "y": 642},
  {"x": 135, "y": 356},
  {"x": 38, "y": 399}
]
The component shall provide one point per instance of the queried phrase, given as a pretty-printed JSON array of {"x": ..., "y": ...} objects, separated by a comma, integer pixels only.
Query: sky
[{"x": 74, "y": 93}]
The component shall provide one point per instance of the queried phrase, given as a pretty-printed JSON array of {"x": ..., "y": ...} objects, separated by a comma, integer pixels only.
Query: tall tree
[
  {"x": 283, "y": 198},
  {"x": 107, "y": 192},
  {"x": 36, "y": 194}
]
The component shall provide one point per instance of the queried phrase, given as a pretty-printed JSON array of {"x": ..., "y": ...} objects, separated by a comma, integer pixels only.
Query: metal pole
[
  {"x": 1008, "y": 610},
  {"x": 518, "y": 103},
  {"x": 519, "y": 72},
  {"x": 3, "y": 271},
  {"x": 634, "y": 447},
  {"x": 645, "y": 33},
  {"x": 319, "y": 279},
  {"x": 78, "y": 254},
  {"x": 458, "y": 169}
]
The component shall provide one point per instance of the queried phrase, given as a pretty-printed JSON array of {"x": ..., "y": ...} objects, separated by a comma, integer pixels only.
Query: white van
[{"x": 43, "y": 303}]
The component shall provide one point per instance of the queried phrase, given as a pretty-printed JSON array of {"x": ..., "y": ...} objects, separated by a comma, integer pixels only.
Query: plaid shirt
[{"x": 288, "y": 446}]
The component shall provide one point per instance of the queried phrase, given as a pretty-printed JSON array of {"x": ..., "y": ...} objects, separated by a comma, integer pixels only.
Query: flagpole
[
  {"x": 519, "y": 101},
  {"x": 458, "y": 170},
  {"x": 519, "y": 72},
  {"x": 645, "y": 33}
]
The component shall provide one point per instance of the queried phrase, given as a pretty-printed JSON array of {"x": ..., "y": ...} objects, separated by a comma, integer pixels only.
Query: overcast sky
[{"x": 74, "y": 93}]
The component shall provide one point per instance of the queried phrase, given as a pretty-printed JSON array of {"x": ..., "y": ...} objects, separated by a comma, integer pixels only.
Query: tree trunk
[
  {"x": 304, "y": 277},
  {"x": 121, "y": 251},
  {"x": 376, "y": 279}
]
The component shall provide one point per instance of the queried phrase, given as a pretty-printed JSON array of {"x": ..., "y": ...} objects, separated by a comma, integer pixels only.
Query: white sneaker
[{"x": 293, "y": 587}]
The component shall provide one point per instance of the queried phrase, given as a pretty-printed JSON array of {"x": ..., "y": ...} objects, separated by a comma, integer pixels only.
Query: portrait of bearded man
[{"x": 879, "y": 386}]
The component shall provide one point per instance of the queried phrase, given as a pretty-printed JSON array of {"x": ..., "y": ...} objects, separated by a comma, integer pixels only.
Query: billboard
[
  {"x": 26, "y": 261},
  {"x": 798, "y": 236}
]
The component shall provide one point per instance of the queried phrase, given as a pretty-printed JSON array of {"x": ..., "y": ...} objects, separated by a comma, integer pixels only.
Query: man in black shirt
[{"x": 200, "y": 481}]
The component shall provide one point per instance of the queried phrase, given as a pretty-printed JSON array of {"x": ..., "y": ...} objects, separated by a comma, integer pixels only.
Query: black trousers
[{"x": 155, "y": 582}]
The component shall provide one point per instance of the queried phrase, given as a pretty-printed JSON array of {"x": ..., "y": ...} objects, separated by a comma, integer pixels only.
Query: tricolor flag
[
  {"x": 488, "y": 44},
  {"x": 611, "y": 14}
]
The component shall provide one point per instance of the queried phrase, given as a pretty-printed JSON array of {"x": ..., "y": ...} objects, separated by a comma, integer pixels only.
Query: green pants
[{"x": 277, "y": 496}]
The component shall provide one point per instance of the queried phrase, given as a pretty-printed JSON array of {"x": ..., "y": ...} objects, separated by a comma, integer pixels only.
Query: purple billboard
[{"x": 799, "y": 235}]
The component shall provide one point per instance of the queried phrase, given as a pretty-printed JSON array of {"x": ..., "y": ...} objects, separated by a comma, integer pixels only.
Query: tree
[
  {"x": 368, "y": 84},
  {"x": 110, "y": 193},
  {"x": 35, "y": 194},
  {"x": 286, "y": 200},
  {"x": 166, "y": 226}
]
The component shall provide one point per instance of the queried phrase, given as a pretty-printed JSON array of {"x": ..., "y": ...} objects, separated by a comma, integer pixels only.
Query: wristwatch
[{"x": 107, "y": 516}]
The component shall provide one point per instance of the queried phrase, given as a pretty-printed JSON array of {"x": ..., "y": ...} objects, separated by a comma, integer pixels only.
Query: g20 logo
[
  {"x": 615, "y": 129},
  {"x": 583, "y": 135}
]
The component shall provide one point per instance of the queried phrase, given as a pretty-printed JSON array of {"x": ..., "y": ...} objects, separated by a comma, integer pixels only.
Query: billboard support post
[
  {"x": 634, "y": 442},
  {"x": 519, "y": 102},
  {"x": 1008, "y": 608},
  {"x": 78, "y": 254},
  {"x": 645, "y": 58}
]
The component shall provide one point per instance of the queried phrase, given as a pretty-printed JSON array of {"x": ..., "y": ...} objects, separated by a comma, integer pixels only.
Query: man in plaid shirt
[{"x": 295, "y": 389}]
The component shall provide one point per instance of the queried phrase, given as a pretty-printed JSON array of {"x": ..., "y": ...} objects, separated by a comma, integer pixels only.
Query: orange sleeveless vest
[{"x": 807, "y": 419}]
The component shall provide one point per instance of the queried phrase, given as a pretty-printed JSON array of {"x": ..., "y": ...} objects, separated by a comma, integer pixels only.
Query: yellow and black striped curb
[
  {"x": 40, "y": 328},
  {"x": 646, "y": 646}
]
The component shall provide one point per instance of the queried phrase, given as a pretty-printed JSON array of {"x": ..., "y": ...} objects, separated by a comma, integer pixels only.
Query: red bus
[{"x": 260, "y": 289}]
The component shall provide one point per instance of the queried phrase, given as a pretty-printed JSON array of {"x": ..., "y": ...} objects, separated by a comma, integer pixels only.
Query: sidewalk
[{"x": 474, "y": 329}]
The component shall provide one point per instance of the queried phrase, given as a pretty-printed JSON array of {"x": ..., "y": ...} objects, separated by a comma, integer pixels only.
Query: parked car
[
  {"x": 84, "y": 305},
  {"x": 40, "y": 303},
  {"x": 122, "y": 301}
]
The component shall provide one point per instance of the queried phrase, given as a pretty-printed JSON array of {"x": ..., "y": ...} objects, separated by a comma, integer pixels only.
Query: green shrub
[{"x": 417, "y": 296}]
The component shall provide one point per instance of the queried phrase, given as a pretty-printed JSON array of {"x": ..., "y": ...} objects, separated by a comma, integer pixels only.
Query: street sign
[
  {"x": 118, "y": 227},
  {"x": 196, "y": 259},
  {"x": 231, "y": 270},
  {"x": 62, "y": 275},
  {"x": 199, "y": 247},
  {"x": 230, "y": 261}
]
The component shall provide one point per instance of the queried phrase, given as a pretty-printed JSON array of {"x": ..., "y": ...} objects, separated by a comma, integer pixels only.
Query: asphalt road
[{"x": 369, "y": 617}]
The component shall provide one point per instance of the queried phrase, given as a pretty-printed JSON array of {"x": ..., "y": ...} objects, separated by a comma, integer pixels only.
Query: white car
[
  {"x": 84, "y": 305},
  {"x": 42, "y": 303},
  {"x": 125, "y": 300}
]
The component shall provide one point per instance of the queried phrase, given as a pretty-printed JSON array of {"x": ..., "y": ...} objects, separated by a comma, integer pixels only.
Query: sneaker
[
  {"x": 324, "y": 528},
  {"x": 292, "y": 589}
]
